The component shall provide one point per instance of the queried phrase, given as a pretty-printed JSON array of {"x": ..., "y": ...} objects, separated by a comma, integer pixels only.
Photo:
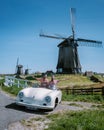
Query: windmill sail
[
  {"x": 72, "y": 14},
  {"x": 51, "y": 36},
  {"x": 87, "y": 42}
]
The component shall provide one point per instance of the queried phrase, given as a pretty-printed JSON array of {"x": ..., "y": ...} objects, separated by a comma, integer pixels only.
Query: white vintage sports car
[{"x": 39, "y": 98}]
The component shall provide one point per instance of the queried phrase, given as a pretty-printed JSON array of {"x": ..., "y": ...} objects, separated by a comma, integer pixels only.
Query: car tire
[{"x": 56, "y": 103}]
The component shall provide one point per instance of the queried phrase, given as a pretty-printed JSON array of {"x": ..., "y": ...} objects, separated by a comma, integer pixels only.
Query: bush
[{"x": 30, "y": 78}]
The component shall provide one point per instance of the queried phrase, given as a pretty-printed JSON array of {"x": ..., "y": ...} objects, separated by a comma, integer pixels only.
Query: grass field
[
  {"x": 81, "y": 120},
  {"x": 72, "y": 80}
]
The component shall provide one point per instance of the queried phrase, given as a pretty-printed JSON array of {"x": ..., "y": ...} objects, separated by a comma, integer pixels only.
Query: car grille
[{"x": 30, "y": 100}]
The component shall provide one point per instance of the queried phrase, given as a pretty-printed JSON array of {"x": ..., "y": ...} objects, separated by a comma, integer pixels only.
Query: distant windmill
[
  {"x": 19, "y": 68},
  {"x": 27, "y": 71},
  {"x": 68, "y": 59}
]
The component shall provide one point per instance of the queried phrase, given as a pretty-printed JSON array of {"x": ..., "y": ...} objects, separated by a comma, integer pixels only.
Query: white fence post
[
  {"x": 18, "y": 83},
  {"x": 10, "y": 81}
]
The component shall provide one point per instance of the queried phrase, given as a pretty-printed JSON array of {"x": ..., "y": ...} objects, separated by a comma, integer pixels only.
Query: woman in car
[
  {"x": 53, "y": 82},
  {"x": 44, "y": 81}
]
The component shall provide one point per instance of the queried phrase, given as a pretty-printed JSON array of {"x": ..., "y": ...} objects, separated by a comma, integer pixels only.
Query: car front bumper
[{"x": 34, "y": 106}]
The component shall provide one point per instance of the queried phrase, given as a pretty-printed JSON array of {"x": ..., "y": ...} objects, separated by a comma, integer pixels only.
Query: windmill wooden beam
[{"x": 48, "y": 36}]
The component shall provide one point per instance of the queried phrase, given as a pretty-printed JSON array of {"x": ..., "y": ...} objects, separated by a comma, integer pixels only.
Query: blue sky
[{"x": 22, "y": 20}]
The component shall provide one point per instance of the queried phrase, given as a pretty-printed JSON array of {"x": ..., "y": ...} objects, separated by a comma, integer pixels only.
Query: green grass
[
  {"x": 1, "y": 81},
  {"x": 11, "y": 90},
  {"x": 101, "y": 78},
  {"x": 82, "y": 120},
  {"x": 84, "y": 98}
]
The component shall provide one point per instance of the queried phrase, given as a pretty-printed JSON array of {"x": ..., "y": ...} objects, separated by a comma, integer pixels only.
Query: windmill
[
  {"x": 19, "y": 68},
  {"x": 68, "y": 58},
  {"x": 27, "y": 70}
]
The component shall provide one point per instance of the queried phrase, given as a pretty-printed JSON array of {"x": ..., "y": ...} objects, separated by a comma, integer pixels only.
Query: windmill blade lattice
[
  {"x": 52, "y": 36},
  {"x": 90, "y": 43},
  {"x": 72, "y": 14}
]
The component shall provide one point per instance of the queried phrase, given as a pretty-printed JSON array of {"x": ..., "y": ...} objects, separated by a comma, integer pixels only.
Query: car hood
[{"x": 38, "y": 93}]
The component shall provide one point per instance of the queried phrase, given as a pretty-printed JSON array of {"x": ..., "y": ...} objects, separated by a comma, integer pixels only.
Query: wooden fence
[{"x": 84, "y": 91}]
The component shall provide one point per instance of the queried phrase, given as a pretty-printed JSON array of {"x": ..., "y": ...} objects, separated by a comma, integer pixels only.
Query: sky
[{"x": 21, "y": 22}]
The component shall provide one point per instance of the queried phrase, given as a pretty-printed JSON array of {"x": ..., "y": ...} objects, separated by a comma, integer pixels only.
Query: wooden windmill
[
  {"x": 19, "y": 68},
  {"x": 27, "y": 70},
  {"x": 68, "y": 59}
]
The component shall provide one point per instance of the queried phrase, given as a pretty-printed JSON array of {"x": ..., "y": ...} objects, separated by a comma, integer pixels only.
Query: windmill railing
[{"x": 84, "y": 91}]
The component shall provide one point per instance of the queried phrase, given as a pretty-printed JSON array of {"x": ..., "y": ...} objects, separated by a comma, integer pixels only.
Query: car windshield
[{"x": 37, "y": 85}]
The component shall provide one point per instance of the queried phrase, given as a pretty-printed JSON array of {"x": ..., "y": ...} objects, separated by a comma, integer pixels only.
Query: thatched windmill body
[{"x": 68, "y": 58}]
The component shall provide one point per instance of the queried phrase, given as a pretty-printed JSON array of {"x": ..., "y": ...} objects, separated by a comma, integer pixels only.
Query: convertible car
[{"x": 39, "y": 98}]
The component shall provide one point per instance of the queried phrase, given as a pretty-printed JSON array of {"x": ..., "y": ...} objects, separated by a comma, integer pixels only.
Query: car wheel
[{"x": 56, "y": 102}]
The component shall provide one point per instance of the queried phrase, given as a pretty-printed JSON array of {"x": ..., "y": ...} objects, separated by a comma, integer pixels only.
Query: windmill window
[{"x": 60, "y": 70}]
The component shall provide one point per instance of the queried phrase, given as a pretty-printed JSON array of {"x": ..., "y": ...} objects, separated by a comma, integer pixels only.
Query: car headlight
[
  {"x": 21, "y": 95},
  {"x": 48, "y": 99}
]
